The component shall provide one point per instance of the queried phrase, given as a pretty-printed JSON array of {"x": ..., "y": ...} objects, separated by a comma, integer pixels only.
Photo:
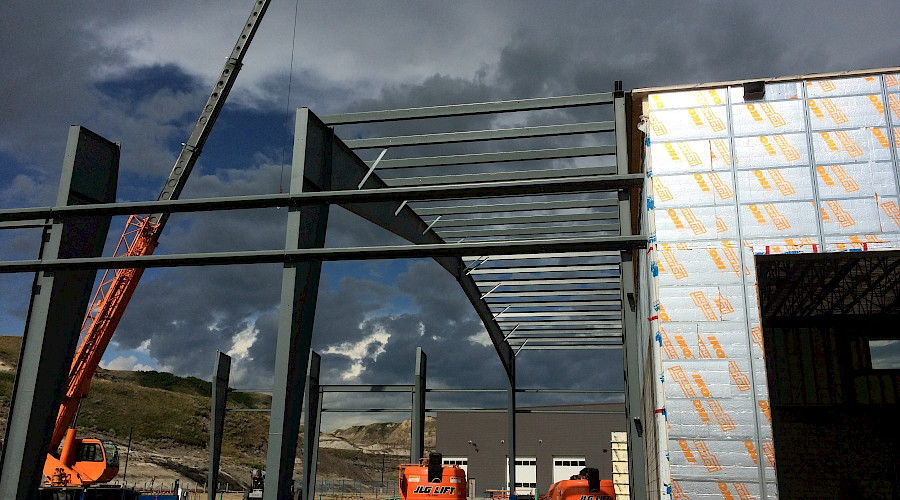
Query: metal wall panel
[{"x": 812, "y": 167}]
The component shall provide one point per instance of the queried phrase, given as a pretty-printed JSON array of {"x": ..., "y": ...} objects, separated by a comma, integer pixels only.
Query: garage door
[
  {"x": 462, "y": 462},
  {"x": 526, "y": 475},
  {"x": 566, "y": 467}
]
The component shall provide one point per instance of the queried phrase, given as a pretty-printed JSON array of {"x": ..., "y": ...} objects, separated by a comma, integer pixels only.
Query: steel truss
[{"x": 829, "y": 285}]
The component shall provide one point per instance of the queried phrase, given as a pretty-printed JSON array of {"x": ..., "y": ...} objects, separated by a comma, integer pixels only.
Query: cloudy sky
[{"x": 138, "y": 73}]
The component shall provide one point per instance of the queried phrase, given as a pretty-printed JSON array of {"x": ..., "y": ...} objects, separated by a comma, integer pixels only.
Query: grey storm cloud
[{"x": 60, "y": 58}]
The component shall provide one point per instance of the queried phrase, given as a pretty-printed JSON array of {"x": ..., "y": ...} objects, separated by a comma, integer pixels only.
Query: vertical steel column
[
  {"x": 299, "y": 291},
  {"x": 221, "y": 374},
  {"x": 511, "y": 428},
  {"x": 312, "y": 403},
  {"x": 417, "y": 419},
  {"x": 58, "y": 302},
  {"x": 631, "y": 334}
]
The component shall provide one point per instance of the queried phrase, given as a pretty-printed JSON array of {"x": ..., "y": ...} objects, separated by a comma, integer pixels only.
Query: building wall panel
[{"x": 812, "y": 167}]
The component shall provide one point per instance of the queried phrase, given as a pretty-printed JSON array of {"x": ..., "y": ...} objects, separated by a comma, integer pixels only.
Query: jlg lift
[
  {"x": 586, "y": 485},
  {"x": 432, "y": 480},
  {"x": 84, "y": 462}
]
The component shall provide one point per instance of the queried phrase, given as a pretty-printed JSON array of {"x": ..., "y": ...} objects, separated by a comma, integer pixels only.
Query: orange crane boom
[
  {"x": 107, "y": 307},
  {"x": 114, "y": 292}
]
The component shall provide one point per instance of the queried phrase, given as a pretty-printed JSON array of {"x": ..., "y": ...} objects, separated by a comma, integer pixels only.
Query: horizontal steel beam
[
  {"x": 554, "y": 281},
  {"x": 517, "y": 231},
  {"x": 504, "y": 391},
  {"x": 469, "y": 109},
  {"x": 474, "y": 410},
  {"x": 366, "y": 410},
  {"x": 592, "y": 202},
  {"x": 549, "y": 329},
  {"x": 543, "y": 269},
  {"x": 526, "y": 219},
  {"x": 550, "y": 293},
  {"x": 558, "y": 303},
  {"x": 24, "y": 225},
  {"x": 496, "y": 157},
  {"x": 526, "y": 410},
  {"x": 610, "y": 333},
  {"x": 530, "y": 347},
  {"x": 481, "y": 135},
  {"x": 354, "y": 387},
  {"x": 534, "y": 175},
  {"x": 365, "y": 388},
  {"x": 548, "y": 256},
  {"x": 508, "y": 315},
  {"x": 410, "y": 193},
  {"x": 329, "y": 254},
  {"x": 561, "y": 322},
  {"x": 611, "y": 340}
]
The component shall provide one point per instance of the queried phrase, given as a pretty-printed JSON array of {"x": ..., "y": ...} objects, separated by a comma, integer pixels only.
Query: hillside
[{"x": 168, "y": 419}]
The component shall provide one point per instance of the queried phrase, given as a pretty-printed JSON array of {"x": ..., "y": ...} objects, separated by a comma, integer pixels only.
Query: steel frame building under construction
[
  {"x": 535, "y": 236},
  {"x": 551, "y": 234}
]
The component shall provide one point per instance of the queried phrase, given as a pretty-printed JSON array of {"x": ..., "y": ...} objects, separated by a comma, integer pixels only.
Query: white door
[
  {"x": 566, "y": 467},
  {"x": 526, "y": 475}
]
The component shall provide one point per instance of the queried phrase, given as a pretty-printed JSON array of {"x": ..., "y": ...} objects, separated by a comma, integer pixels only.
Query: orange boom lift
[
  {"x": 83, "y": 462},
  {"x": 586, "y": 485},
  {"x": 431, "y": 480}
]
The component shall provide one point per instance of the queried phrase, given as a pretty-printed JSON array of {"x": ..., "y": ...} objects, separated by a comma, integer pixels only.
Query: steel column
[
  {"x": 511, "y": 428},
  {"x": 299, "y": 291},
  {"x": 58, "y": 302},
  {"x": 221, "y": 374},
  {"x": 631, "y": 346},
  {"x": 312, "y": 418},
  {"x": 417, "y": 418}
]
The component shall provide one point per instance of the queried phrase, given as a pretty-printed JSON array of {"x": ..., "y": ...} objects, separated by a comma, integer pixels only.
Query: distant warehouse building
[{"x": 551, "y": 446}]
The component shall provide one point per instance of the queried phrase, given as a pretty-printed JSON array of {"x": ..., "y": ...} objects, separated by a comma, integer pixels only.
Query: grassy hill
[{"x": 168, "y": 418}]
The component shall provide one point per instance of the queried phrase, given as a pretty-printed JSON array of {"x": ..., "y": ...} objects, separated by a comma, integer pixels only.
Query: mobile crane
[{"x": 87, "y": 461}]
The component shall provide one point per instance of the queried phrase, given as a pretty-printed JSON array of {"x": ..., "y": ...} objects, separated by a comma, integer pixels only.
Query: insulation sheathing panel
[{"x": 810, "y": 168}]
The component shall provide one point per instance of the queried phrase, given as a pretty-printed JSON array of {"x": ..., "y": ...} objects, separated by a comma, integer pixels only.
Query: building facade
[{"x": 551, "y": 446}]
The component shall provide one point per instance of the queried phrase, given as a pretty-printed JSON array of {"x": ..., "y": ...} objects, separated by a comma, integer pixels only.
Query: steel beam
[
  {"x": 366, "y": 388},
  {"x": 481, "y": 135},
  {"x": 498, "y": 157},
  {"x": 470, "y": 109},
  {"x": 527, "y": 219},
  {"x": 306, "y": 226},
  {"x": 567, "y": 255},
  {"x": 473, "y": 190},
  {"x": 547, "y": 303},
  {"x": 528, "y": 231},
  {"x": 221, "y": 374},
  {"x": 441, "y": 252},
  {"x": 311, "y": 425},
  {"x": 417, "y": 417},
  {"x": 58, "y": 302},
  {"x": 517, "y": 207}
]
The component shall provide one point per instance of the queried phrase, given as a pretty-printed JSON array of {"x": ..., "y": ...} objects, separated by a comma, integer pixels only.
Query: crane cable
[{"x": 287, "y": 104}]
